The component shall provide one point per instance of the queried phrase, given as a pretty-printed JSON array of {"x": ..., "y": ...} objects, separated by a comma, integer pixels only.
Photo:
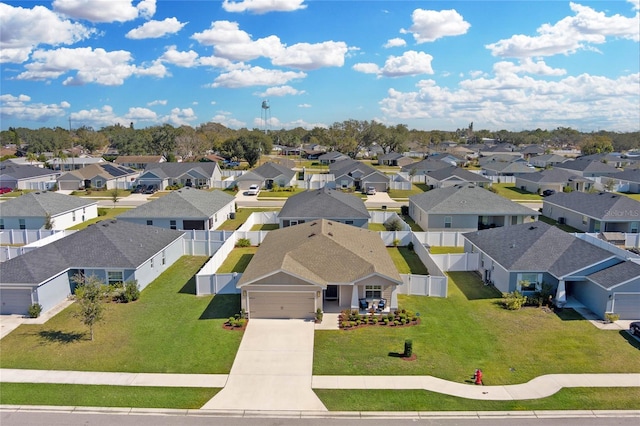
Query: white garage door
[
  {"x": 627, "y": 305},
  {"x": 282, "y": 305},
  {"x": 15, "y": 302}
]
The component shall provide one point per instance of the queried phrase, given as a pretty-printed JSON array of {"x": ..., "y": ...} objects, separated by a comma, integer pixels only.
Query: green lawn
[
  {"x": 104, "y": 213},
  {"x": 265, "y": 227},
  {"x": 421, "y": 400},
  {"x": 105, "y": 396},
  {"x": 241, "y": 217},
  {"x": 508, "y": 190},
  {"x": 407, "y": 261},
  {"x": 632, "y": 196},
  {"x": 564, "y": 227},
  {"x": 409, "y": 221},
  {"x": 237, "y": 260},
  {"x": 168, "y": 330},
  {"x": 399, "y": 193},
  {"x": 445, "y": 250},
  {"x": 280, "y": 194},
  {"x": 469, "y": 330},
  {"x": 378, "y": 227}
]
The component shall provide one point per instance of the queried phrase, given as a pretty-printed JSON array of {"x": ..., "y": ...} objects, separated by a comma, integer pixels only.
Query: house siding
[
  {"x": 53, "y": 291},
  {"x": 145, "y": 274},
  {"x": 590, "y": 295}
]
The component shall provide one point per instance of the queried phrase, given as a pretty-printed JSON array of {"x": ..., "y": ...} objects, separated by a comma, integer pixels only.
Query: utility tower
[{"x": 265, "y": 115}]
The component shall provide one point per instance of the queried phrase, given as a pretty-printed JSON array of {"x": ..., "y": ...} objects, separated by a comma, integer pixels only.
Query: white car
[
  {"x": 371, "y": 190},
  {"x": 253, "y": 190}
]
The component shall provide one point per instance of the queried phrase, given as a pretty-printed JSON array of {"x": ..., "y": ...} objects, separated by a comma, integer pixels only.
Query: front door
[{"x": 331, "y": 293}]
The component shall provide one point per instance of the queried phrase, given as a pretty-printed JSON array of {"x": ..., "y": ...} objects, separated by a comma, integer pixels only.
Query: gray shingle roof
[
  {"x": 271, "y": 170},
  {"x": 551, "y": 176},
  {"x": 604, "y": 206},
  {"x": 537, "y": 247},
  {"x": 588, "y": 166},
  {"x": 38, "y": 204},
  {"x": 326, "y": 203},
  {"x": 426, "y": 165},
  {"x": 18, "y": 171},
  {"x": 617, "y": 274},
  {"x": 459, "y": 172},
  {"x": 467, "y": 199},
  {"x": 174, "y": 170},
  {"x": 106, "y": 244},
  {"x": 323, "y": 252},
  {"x": 628, "y": 175},
  {"x": 183, "y": 203}
]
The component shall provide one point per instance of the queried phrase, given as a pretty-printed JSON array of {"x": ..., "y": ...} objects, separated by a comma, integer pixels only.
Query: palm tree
[
  {"x": 31, "y": 157},
  {"x": 62, "y": 158}
]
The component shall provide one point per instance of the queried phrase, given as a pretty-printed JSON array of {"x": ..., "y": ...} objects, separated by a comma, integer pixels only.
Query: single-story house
[
  {"x": 588, "y": 168},
  {"x": 38, "y": 210},
  {"x": 113, "y": 251},
  {"x": 425, "y": 166},
  {"x": 139, "y": 162},
  {"x": 357, "y": 175},
  {"x": 298, "y": 269},
  {"x": 452, "y": 176},
  {"x": 266, "y": 175},
  {"x": 530, "y": 151},
  {"x": 614, "y": 159},
  {"x": 185, "y": 209},
  {"x": 464, "y": 208},
  {"x": 627, "y": 181},
  {"x": 594, "y": 212},
  {"x": 324, "y": 203},
  {"x": 104, "y": 175},
  {"x": 523, "y": 257},
  {"x": 16, "y": 176},
  {"x": 394, "y": 159},
  {"x": 547, "y": 160},
  {"x": 73, "y": 163},
  {"x": 332, "y": 157},
  {"x": 451, "y": 159},
  {"x": 198, "y": 175},
  {"x": 556, "y": 179},
  {"x": 503, "y": 168}
]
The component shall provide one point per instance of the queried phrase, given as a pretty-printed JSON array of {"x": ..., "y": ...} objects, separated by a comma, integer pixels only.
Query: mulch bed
[{"x": 228, "y": 326}]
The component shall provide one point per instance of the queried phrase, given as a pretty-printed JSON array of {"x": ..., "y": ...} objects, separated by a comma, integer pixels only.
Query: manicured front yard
[
  {"x": 402, "y": 194},
  {"x": 168, "y": 330},
  {"x": 469, "y": 330}
]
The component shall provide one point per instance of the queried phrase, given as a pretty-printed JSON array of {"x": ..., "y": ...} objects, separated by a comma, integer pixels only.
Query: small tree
[
  {"x": 48, "y": 222},
  {"x": 393, "y": 225},
  {"x": 115, "y": 196},
  {"x": 90, "y": 298},
  {"x": 609, "y": 184}
]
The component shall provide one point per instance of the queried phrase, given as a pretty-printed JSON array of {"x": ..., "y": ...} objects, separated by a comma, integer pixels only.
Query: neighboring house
[
  {"x": 588, "y": 168},
  {"x": 139, "y": 162},
  {"x": 198, "y": 175},
  {"x": 501, "y": 148},
  {"x": 626, "y": 181},
  {"x": 98, "y": 176},
  {"x": 556, "y": 179},
  {"x": 332, "y": 157},
  {"x": 324, "y": 203},
  {"x": 72, "y": 163},
  {"x": 298, "y": 269},
  {"x": 503, "y": 168},
  {"x": 464, "y": 208},
  {"x": 500, "y": 158},
  {"x": 113, "y": 251},
  {"x": 425, "y": 166},
  {"x": 594, "y": 212},
  {"x": 530, "y": 151},
  {"x": 16, "y": 176},
  {"x": 24, "y": 161},
  {"x": 185, "y": 209},
  {"x": 358, "y": 176},
  {"x": 266, "y": 176},
  {"x": 394, "y": 159},
  {"x": 451, "y": 159},
  {"x": 523, "y": 257},
  {"x": 452, "y": 176},
  {"x": 38, "y": 210},
  {"x": 614, "y": 159},
  {"x": 547, "y": 160}
]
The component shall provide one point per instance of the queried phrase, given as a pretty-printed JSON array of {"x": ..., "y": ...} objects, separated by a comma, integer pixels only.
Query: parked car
[
  {"x": 371, "y": 190},
  {"x": 5, "y": 189},
  {"x": 253, "y": 190},
  {"x": 548, "y": 192},
  {"x": 230, "y": 164},
  {"x": 139, "y": 189},
  {"x": 150, "y": 189},
  {"x": 634, "y": 328}
]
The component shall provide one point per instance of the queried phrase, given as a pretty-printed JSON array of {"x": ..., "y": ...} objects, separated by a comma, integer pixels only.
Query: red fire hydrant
[{"x": 477, "y": 377}]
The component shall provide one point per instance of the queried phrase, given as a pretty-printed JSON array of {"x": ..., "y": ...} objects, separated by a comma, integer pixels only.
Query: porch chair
[
  {"x": 363, "y": 304},
  {"x": 382, "y": 304}
]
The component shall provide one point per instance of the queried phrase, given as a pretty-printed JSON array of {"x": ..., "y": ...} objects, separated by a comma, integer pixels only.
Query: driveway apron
[{"x": 272, "y": 369}]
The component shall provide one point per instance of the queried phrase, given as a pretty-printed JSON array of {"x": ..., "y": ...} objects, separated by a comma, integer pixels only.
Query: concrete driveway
[{"x": 272, "y": 369}]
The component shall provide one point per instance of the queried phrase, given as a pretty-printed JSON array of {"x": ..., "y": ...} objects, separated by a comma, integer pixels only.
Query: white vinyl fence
[
  {"x": 204, "y": 243},
  {"x": 457, "y": 261},
  {"x": 26, "y": 236},
  {"x": 423, "y": 285},
  {"x": 440, "y": 239}
]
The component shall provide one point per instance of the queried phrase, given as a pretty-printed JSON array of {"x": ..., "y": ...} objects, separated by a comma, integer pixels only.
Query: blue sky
[{"x": 507, "y": 64}]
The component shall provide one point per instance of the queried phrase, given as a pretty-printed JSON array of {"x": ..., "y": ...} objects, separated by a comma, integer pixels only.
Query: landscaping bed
[{"x": 351, "y": 319}]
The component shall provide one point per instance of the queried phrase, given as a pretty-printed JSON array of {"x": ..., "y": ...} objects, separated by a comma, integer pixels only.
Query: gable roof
[
  {"x": 139, "y": 159},
  {"x": 183, "y": 203},
  {"x": 39, "y": 204},
  {"x": 322, "y": 252},
  {"x": 552, "y": 176},
  {"x": 106, "y": 170},
  {"x": 426, "y": 165},
  {"x": 106, "y": 244},
  {"x": 588, "y": 166},
  {"x": 271, "y": 170},
  {"x": 631, "y": 175},
  {"x": 600, "y": 205},
  {"x": 19, "y": 171},
  {"x": 326, "y": 203},
  {"x": 616, "y": 274},
  {"x": 549, "y": 158},
  {"x": 390, "y": 156},
  {"x": 175, "y": 170},
  {"x": 508, "y": 167},
  {"x": 459, "y": 172},
  {"x": 467, "y": 199},
  {"x": 537, "y": 247}
]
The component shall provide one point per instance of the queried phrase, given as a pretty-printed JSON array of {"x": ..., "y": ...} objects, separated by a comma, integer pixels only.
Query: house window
[
  {"x": 596, "y": 226},
  {"x": 22, "y": 224},
  {"x": 149, "y": 222},
  {"x": 529, "y": 281},
  {"x": 348, "y": 222},
  {"x": 98, "y": 184},
  {"x": 73, "y": 215},
  {"x": 447, "y": 221},
  {"x": 633, "y": 228},
  {"x": 172, "y": 224},
  {"x": 585, "y": 220},
  {"x": 152, "y": 263},
  {"x": 114, "y": 277},
  {"x": 164, "y": 258},
  {"x": 373, "y": 291}
]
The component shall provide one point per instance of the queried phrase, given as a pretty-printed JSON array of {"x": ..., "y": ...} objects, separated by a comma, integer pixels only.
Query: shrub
[
  {"x": 513, "y": 301},
  {"x": 319, "y": 314},
  {"x": 396, "y": 242},
  {"x": 243, "y": 242},
  {"x": 611, "y": 317},
  {"x": 410, "y": 246},
  {"x": 393, "y": 225},
  {"x": 35, "y": 310},
  {"x": 131, "y": 291},
  {"x": 408, "y": 348},
  {"x": 404, "y": 210}
]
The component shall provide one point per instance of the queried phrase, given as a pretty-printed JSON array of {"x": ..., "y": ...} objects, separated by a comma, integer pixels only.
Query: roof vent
[
  {"x": 312, "y": 234},
  {"x": 313, "y": 223},
  {"x": 531, "y": 228},
  {"x": 330, "y": 223},
  {"x": 330, "y": 234}
]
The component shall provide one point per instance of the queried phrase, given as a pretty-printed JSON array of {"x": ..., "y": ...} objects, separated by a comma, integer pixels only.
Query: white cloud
[
  {"x": 182, "y": 59},
  {"x": 141, "y": 114},
  {"x": 527, "y": 66},
  {"x": 570, "y": 34},
  {"x": 275, "y": 123},
  {"x": 262, "y": 6},
  {"x": 156, "y": 29},
  {"x": 98, "y": 117},
  {"x": 410, "y": 63},
  {"x": 255, "y": 76},
  {"x": 395, "y": 42},
  {"x": 635, "y": 3},
  {"x": 307, "y": 56},
  {"x": 510, "y": 101},
  {"x": 304, "y": 105},
  {"x": 180, "y": 117},
  {"x": 157, "y": 102},
  {"x": 367, "y": 68},
  {"x": 224, "y": 118},
  {"x": 430, "y": 25},
  {"x": 106, "y": 11},
  {"x": 156, "y": 69},
  {"x": 20, "y": 107},
  {"x": 280, "y": 91},
  {"x": 21, "y": 30}
]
